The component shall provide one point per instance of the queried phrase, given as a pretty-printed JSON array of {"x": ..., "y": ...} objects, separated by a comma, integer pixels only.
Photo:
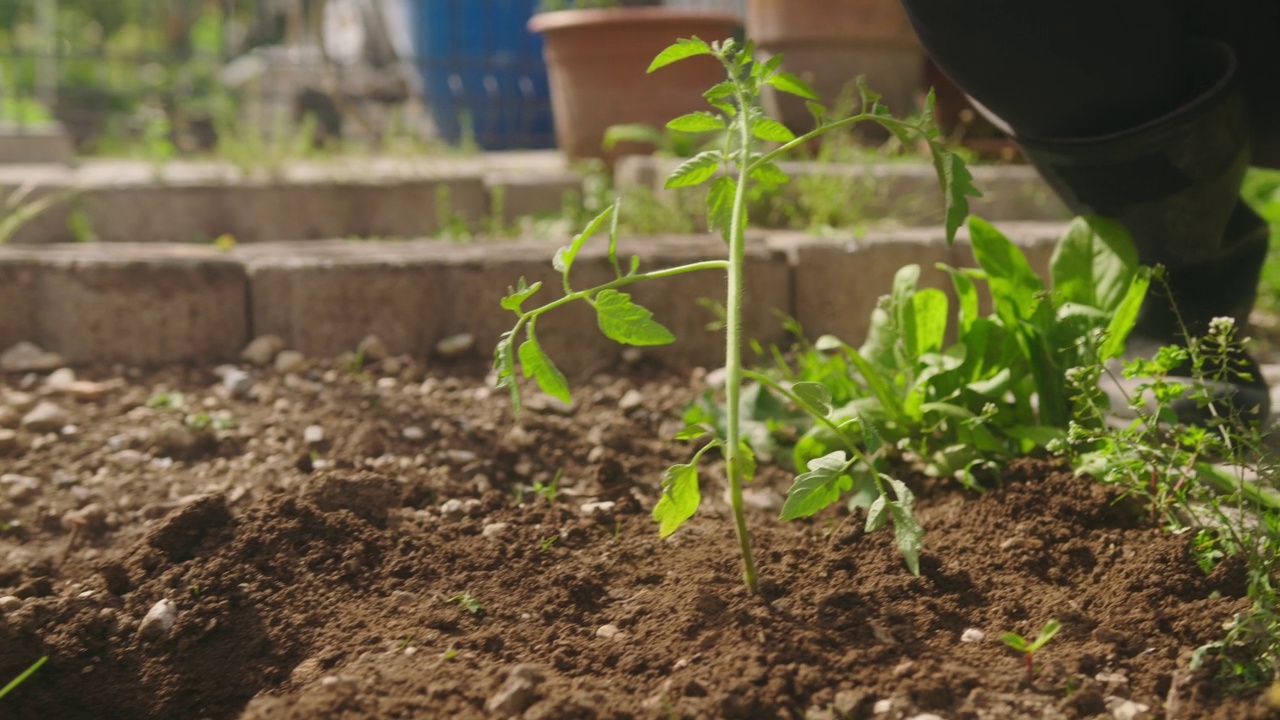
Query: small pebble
[
  {"x": 373, "y": 348},
  {"x": 262, "y": 350},
  {"x": 452, "y": 509},
  {"x": 10, "y": 603},
  {"x": 45, "y": 417},
  {"x": 392, "y": 366},
  {"x": 160, "y": 619},
  {"x": 237, "y": 382},
  {"x": 631, "y": 400},
  {"x": 414, "y": 433},
  {"x": 27, "y": 356},
  {"x": 607, "y": 632},
  {"x": 313, "y": 435},
  {"x": 972, "y": 635},
  {"x": 460, "y": 457},
  {"x": 455, "y": 345},
  {"x": 290, "y": 362},
  {"x": 494, "y": 529},
  {"x": 597, "y": 508},
  {"x": 8, "y": 441}
]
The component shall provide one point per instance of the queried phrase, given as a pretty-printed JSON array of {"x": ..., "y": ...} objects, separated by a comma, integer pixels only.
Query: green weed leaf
[
  {"x": 924, "y": 321},
  {"x": 1014, "y": 285},
  {"x": 771, "y": 130},
  {"x": 746, "y": 462},
  {"x": 906, "y": 529},
  {"x": 818, "y": 488},
  {"x": 680, "y": 498},
  {"x": 628, "y": 323},
  {"x": 535, "y": 363},
  {"x": 682, "y": 49},
  {"x": 790, "y": 84},
  {"x": 696, "y": 170},
  {"x": 1126, "y": 315},
  {"x": 697, "y": 122},
  {"x": 693, "y": 431}
]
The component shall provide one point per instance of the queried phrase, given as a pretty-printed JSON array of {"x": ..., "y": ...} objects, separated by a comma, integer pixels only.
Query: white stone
[
  {"x": 631, "y": 400},
  {"x": 373, "y": 348},
  {"x": 414, "y": 433},
  {"x": 45, "y": 417},
  {"x": 494, "y": 529},
  {"x": 237, "y": 382},
  {"x": 972, "y": 635},
  {"x": 160, "y": 619},
  {"x": 455, "y": 345},
  {"x": 608, "y": 632},
  {"x": 460, "y": 457},
  {"x": 29, "y": 357},
  {"x": 603, "y": 507},
  {"x": 313, "y": 435},
  {"x": 10, "y": 603},
  {"x": 1126, "y": 709},
  {"x": 290, "y": 361}
]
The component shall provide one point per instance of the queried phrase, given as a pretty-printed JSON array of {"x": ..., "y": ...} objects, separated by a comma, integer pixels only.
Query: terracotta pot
[
  {"x": 829, "y": 43},
  {"x": 596, "y": 63}
]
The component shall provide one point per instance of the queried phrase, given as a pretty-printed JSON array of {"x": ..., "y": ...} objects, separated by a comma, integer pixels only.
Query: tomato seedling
[{"x": 1028, "y": 649}]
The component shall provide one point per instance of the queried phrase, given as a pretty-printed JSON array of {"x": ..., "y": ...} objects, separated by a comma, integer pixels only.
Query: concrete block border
[{"x": 146, "y": 304}]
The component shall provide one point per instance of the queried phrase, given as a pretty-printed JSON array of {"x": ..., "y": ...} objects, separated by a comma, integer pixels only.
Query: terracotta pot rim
[{"x": 560, "y": 19}]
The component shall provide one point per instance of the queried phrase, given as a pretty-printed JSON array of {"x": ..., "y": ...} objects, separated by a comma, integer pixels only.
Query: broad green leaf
[
  {"x": 815, "y": 397},
  {"x": 697, "y": 122},
  {"x": 680, "y": 498},
  {"x": 535, "y": 363},
  {"x": 1126, "y": 315},
  {"x": 924, "y": 322},
  {"x": 696, "y": 170},
  {"x": 515, "y": 298},
  {"x": 769, "y": 174},
  {"x": 770, "y": 66},
  {"x": 628, "y": 323},
  {"x": 683, "y": 48},
  {"x": 771, "y": 130},
  {"x": 957, "y": 186},
  {"x": 693, "y": 431},
  {"x": 565, "y": 256},
  {"x": 790, "y": 84},
  {"x": 818, "y": 488},
  {"x": 1015, "y": 287},
  {"x": 720, "y": 197},
  {"x": 966, "y": 295},
  {"x": 876, "y": 516},
  {"x": 906, "y": 529},
  {"x": 1094, "y": 263}
]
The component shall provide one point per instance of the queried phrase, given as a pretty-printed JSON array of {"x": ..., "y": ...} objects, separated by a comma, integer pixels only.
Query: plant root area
[{"x": 395, "y": 543}]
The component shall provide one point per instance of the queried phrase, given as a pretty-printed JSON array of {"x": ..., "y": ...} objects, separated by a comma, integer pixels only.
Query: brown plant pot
[
  {"x": 596, "y": 67},
  {"x": 829, "y": 43}
]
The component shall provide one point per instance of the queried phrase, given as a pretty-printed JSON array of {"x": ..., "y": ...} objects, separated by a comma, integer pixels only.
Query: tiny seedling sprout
[
  {"x": 1028, "y": 649},
  {"x": 468, "y": 602}
]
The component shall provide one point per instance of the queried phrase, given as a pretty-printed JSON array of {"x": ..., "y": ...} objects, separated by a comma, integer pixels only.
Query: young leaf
[
  {"x": 769, "y": 174},
  {"x": 788, "y": 83},
  {"x": 515, "y": 298},
  {"x": 697, "y": 122},
  {"x": 818, "y": 111},
  {"x": 696, "y": 170},
  {"x": 684, "y": 48},
  {"x": 564, "y": 257},
  {"x": 906, "y": 530},
  {"x": 818, "y": 488},
  {"x": 505, "y": 365},
  {"x": 623, "y": 321},
  {"x": 680, "y": 498},
  {"x": 1126, "y": 315},
  {"x": 1014, "y": 285},
  {"x": 632, "y": 132},
  {"x": 815, "y": 397},
  {"x": 957, "y": 186},
  {"x": 924, "y": 321},
  {"x": 536, "y": 363},
  {"x": 771, "y": 130},
  {"x": 746, "y": 462},
  {"x": 692, "y": 431}
]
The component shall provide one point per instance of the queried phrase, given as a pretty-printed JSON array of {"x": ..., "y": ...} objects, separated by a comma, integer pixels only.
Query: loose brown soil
[{"x": 322, "y": 582}]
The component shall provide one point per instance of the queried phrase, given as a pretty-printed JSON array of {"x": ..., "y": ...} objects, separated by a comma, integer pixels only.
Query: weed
[
  {"x": 1028, "y": 649},
  {"x": 545, "y": 543},
  {"x": 17, "y": 209},
  {"x": 14, "y": 683},
  {"x": 450, "y": 653},
  {"x": 404, "y": 643},
  {"x": 729, "y": 169},
  {"x": 549, "y": 490},
  {"x": 467, "y": 601}
]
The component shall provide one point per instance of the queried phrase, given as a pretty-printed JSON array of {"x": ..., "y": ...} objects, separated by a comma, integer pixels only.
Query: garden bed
[{"x": 333, "y": 573}]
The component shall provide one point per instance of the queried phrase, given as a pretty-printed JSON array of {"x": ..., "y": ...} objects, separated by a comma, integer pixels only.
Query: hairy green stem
[
  {"x": 621, "y": 282},
  {"x": 733, "y": 341}
]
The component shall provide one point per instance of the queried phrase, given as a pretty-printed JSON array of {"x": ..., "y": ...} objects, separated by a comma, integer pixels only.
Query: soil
[{"x": 403, "y": 566}]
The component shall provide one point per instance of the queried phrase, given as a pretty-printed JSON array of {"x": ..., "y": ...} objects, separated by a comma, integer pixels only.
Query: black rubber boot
[{"x": 1174, "y": 183}]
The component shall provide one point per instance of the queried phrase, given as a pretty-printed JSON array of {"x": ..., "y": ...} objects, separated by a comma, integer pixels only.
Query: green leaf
[
  {"x": 924, "y": 321},
  {"x": 788, "y": 83},
  {"x": 1094, "y": 263},
  {"x": 628, "y": 323},
  {"x": 693, "y": 431},
  {"x": 815, "y": 397},
  {"x": 906, "y": 529},
  {"x": 505, "y": 365},
  {"x": 746, "y": 462},
  {"x": 720, "y": 198},
  {"x": 771, "y": 130},
  {"x": 515, "y": 298},
  {"x": 680, "y": 498},
  {"x": 876, "y": 516},
  {"x": 697, "y": 122},
  {"x": 769, "y": 174},
  {"x": 957, "y": 186},
  {"x": 967, "y": 295},
  {"x": 1126, "y": 315},
  {"x": 1046, "y": 634},
  {"x": 565, "y": 256},
  {"x": 819, "y": 487},
  {"x": 632, "y": 132},
  {"x": 536, "y": 363},
  {"x": 683, "y": 48},
  {"x": 696, "y": 170},
  {"x": 818, "y": 111},
  {"x": 1015, "y": 641}
]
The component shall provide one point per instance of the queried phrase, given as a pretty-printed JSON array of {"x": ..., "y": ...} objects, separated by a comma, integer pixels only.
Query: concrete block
[
  {"x": 519, "y": 194},
  {"x": 46, "y": 144},
  {"x": 324, "y": 297},
  {"x": 140, "y": 304},
  {"x": 19, "y": 284}
]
